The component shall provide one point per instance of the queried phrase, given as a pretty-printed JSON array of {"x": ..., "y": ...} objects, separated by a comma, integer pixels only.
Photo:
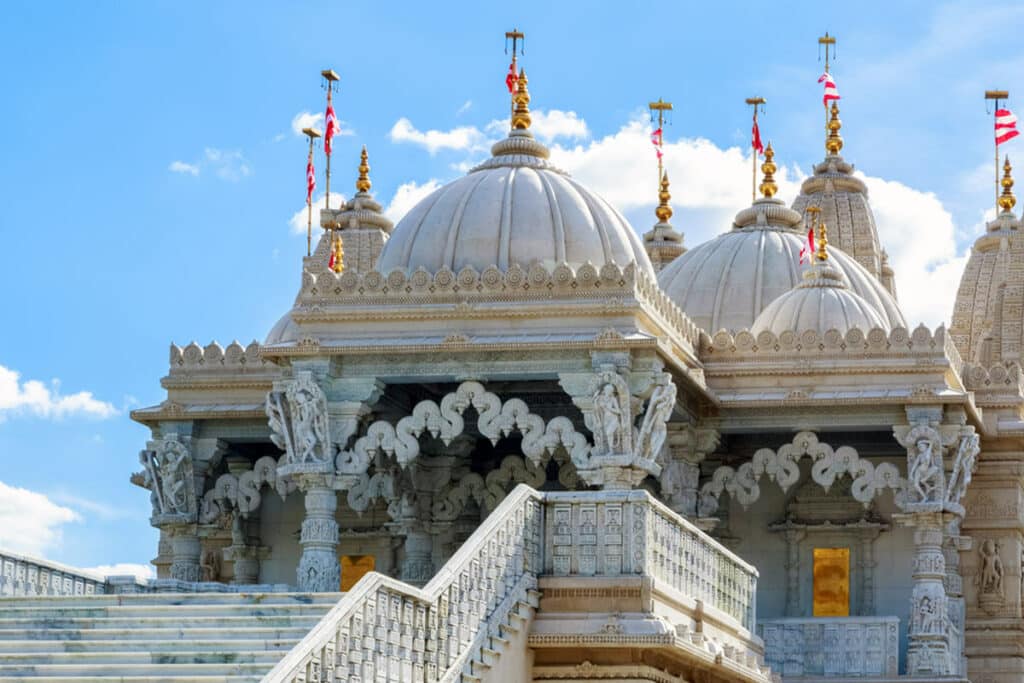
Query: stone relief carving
[
  {"x": 168, "y": 473},
  {"x": 990, "y": 578},
  {"x": 924, "y": 465},
  {"x": 963, "y": 468},
  {"x": 244, "y": 491},
  {"x": 783, "y": 468},
  {"x": 612, "y": 424},
  {"x": 297, "y": 412},
  {"x": 653, "y": 430}
]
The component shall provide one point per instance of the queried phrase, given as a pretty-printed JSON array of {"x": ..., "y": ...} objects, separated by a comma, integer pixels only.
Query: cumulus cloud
[
  {"x": 464, "y": 108},
  {"x": 182, "y": 167},
  {"x": 32, "y": 397},
  {"x": 142, "y": 572},
  {"x": 407, "y": 196},
  {"x": 464, "y": 138},
  {"x": 547, "y": 125},
  {"x": 299, "y": 219},
  {"x": 31, "y": 523},
  {"x": 306, "y": 119}
]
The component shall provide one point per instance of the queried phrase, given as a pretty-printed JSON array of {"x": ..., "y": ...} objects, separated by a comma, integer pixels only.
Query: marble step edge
[
  {"x": 175, "y": 598},
  {"x": 162, "y": 645},
  {"x": 169, "y": 633}
]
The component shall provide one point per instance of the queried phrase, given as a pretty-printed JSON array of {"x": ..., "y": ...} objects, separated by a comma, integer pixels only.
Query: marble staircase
[{"x": 156, "y": 637}]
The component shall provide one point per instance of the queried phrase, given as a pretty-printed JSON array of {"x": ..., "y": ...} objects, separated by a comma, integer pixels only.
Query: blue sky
[{"x": 150, "y": 173}]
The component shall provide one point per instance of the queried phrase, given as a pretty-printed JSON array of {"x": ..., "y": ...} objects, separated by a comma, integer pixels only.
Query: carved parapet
[
  {"x": 196, "y": 359},
  {"x": 838, "y": 647}
]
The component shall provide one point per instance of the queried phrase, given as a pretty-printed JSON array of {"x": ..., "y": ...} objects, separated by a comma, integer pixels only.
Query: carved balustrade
[
  {"x": 846, "y": 647},
  {"x": 384, "y": 630},
  {"x": 26, "y": 576}
]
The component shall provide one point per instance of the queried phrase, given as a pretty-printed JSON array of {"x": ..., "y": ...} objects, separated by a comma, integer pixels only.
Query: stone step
[
  {"x": 222, "y": 644},
  {"x": 145, "y": 679},
  {"x": 197, "y": 610},
  {"x": 185, "y": 656},
  {"x": 144, "y": 670},
  {"x": 163, "y": 621},
  {"x": 169, "y": 633},
  {"x": 173, "y": 599}
]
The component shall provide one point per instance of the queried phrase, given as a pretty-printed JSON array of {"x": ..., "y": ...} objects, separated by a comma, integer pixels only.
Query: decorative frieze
[{"x": 841, "y": 647}]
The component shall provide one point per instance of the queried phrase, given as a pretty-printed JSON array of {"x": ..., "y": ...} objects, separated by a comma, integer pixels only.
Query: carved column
[
  {"x": 680, "y": 476},
  {"x": 793, "y": 538},
  {"x": 185, "y": 552},
  {"x": 319, "y": 571},
  {"x": 953, "y": 544},
  {"x": 867, "y": 571}
]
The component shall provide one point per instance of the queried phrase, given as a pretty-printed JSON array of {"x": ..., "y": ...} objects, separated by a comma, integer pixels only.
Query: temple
[{"x": 511, "y": 439}]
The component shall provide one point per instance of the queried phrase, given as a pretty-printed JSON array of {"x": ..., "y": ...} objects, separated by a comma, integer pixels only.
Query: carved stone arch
[
  {"x": 783, "y": 468},
  {"x": 244, "y": 492},
  {"x": 496, "y": 420}
]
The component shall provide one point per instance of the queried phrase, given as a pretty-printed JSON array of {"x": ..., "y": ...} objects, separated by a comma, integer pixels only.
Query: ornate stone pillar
[
  {"x": 867, "y": 571},
  {"x": 680, "y": 476},
  {"x": 319, "y": 571},
  {"x": 185, "y": 552},
  {"x": 953, "y": 544},
  {"x": 793, "y": 537}
]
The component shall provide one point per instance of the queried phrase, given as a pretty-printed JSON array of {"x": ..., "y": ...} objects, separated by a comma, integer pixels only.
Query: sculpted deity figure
[
  {"x": 991, "y": 579},
  {"x": 925, "y": 471},
  {"x": 297, "y": 414},
  {"x": 168, "y": 474},
  {"x": 963, "y": 468},
  {"x": 659, "y": 409},
  {"x": 608, "y": 411}
]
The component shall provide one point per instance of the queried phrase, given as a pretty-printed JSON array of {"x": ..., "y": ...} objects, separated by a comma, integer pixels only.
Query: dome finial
[
  {"x": 768, "y": 186},
  {"x": 834, "y": 141},
  {"x": 363, "y": 183},
  {"x": 822, "y": 242},
  {"x": 663, "y": 210},
  {"x": 337, "y": 262},
  {"x": 521, "y": 100},
  {"x": 1006, "y": 200}
]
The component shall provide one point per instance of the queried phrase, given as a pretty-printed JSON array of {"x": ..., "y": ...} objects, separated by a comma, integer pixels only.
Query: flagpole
[
  {"x": 312, "y": 134},
  {"x": 516, "y": 35},
  {"x": 755, "y": 101},
  {"x": 995, "y": 96},
  {"x": 661, "y": 106},
  {"x": 829, "y": 42},
  {"x": 331, "y": 77}
]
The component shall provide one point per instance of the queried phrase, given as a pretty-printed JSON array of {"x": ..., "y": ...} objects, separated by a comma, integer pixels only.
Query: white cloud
[
  {"x": 547, "y": 125},
  {"x": 407, "y": 196},
  {"x": 30, "y": 523},
  {"x": 104, "y": 511},
  {"x": 182, "y": 167},
  {"x": 32, "y": 397},
  {"x": 298, "y": 221},
  {"x": 464, "y": 108},
  {"x": 305, "y": 119},
  {"x": 139, "y": 571},
  {"x": 464, "y": 138},
  {"x": 226, "y": 164}
]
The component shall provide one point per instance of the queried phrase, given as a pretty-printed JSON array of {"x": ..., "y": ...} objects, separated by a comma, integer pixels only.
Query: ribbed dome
[
  {"x": 822, "y": 302},
  {"x": 726, "y": 282},
  {"x": 514, "y": 208}
]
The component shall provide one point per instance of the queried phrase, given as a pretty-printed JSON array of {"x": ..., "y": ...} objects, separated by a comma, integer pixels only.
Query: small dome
[
  {"x": 822, "y": 302},
  {"x": 726, "y": 282}
]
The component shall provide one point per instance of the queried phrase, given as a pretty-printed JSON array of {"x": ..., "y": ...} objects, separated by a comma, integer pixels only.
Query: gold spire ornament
[
  {"x": 822, "y": 242},
  {"x": 337, "y": 262},
  {"x": 1006, "y": 200},
  {"x": 363, "y": 183},
  {"x": 995, "y": 96},
  {"x": 834, "y": 141},
  {"x": 663, "y": 211},
  {"x": 521, "y": 103},
  {"x": 768, "y": 186}
]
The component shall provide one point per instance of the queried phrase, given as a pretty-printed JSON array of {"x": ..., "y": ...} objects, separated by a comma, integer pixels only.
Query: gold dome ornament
[
  {"x": 337, "y": 262},
  {"x": 834, "y": 141},
  {"x": 1006, "y": 200},
  {"x": 363, "y": 183},
  {"x": 663, "y": 211},
  {"x": 768, "y": 187},
  {"x": 521, "y": 100},
  {"x": 822, "y": 242}
]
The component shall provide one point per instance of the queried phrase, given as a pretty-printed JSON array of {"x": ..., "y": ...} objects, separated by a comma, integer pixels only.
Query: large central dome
[{"x": 516, "y": 207}]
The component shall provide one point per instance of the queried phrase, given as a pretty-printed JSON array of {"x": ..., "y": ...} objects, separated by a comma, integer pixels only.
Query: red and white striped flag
[
  {"x": 310, "y": 179},
  {"x": 658, "y": 139},
  {"x": 1006, "y": 126},
  {"x": 512, "y": 77},
  {"x": 331, "y": 121},
  {"x": 755, "y": 138},
  {"x": 807, "y": 251},
  {"x": 831, "y": 93}
]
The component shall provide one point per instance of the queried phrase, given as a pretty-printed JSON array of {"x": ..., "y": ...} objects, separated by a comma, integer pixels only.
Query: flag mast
[
  {"x": 661, "y": 107},
  {"x": 755, "y": 102},
  {"x": 513, "y": 74},
  {"x": 829, "y": 42},
  {"x": 312, "y": 134},
  {"x": 331, "y": 77},
  {"x": 995, "y": 96}
]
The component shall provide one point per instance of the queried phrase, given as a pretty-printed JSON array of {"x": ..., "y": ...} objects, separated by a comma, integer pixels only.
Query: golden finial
[
  {"x": 337, "y": 254},
  {"x": 834, "y": 141},
  {"x": 663, "y": 210},
  {"x": 363, "y": 183},
  {"x": 822, "y": 241},
  {"x": 768, "y": 186},
  {"x": 1006, "y": 200},
  {"x": 521, "y": 100}
]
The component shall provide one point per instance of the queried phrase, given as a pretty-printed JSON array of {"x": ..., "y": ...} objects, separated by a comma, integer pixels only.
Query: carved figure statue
[
  {"x": 659, "y": 409},
  {"x": 963, "y": 468},
  {"x": 297, "y": 414},
  {"x": 926, "y": 471},
  {"x": 168, "y": 474},
  {"x": 991, "y": 579},
  {"x": 209, "y": 565},
  {"x": 927, "y": 617},
  {"x": 608, "y": 411}
]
